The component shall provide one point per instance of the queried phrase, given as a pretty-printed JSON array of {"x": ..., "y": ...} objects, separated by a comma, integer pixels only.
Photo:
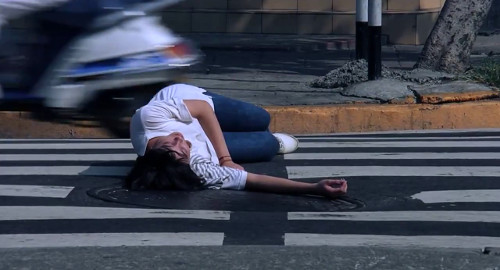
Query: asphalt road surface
[{"x": 415, "y": 198}]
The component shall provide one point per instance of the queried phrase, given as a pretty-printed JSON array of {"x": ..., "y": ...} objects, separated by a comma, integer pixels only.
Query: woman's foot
[{"x": 288, "y": 143}]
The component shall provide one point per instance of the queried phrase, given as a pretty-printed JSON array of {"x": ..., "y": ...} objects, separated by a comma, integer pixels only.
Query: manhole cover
[{"x": 223, "y": 200}]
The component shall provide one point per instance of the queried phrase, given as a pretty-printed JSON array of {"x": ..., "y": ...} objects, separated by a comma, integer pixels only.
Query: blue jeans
[{"x": 246, "y": 129}]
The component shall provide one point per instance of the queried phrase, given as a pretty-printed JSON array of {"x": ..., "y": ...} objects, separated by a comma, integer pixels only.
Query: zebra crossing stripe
[
  {"x": 292, "y": 156},
  {"x": 63, "y": 140},
  {"x": 450, "y": 132},
  {"x": 67, "y": 157},
  {"x": 456, "y": 196},
  {"x": 76, "y": 212},
  {"x": 294, "y": 172},
  {"x": 67, "y": 146},
  {"x": 127, "y": 145},
  {"x": 401, "y": 144},
  {"x": 433, "y": 216},
  {"x": 35, "y": 191},
  {"x": 66, "y": 170},
  {"x": 110, "y": 240},
  {"x": 340, "y": 139},
  {"x": 393, "y": 155},
  {"x": 423, "y": 241},
  {"x": 298, "y": 172}
]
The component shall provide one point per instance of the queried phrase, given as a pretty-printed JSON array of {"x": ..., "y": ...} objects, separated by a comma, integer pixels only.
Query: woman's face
[{"x": 180, "y": 147}]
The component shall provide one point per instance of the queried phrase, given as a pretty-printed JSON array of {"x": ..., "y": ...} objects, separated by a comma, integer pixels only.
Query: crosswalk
[{"x": 421, "y": 189}]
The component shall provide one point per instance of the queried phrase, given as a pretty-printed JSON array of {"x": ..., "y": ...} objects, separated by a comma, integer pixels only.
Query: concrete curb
[
  {"x": 300, "y": 120},
  {"x": 364, "y": 118}
]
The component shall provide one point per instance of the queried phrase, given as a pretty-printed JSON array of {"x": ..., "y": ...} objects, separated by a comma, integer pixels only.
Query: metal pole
[
  {"x": 375, "y": 39},
  {"x": 362, "y": 29}
]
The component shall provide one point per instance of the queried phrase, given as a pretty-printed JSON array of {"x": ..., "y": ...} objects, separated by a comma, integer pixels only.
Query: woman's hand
[
  {"x": 231, "y": 164},
  {"x": 332, "y": 188}
]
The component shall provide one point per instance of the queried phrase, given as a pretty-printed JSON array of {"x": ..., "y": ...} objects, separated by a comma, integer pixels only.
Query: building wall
[{"x": 404, "y": 21}]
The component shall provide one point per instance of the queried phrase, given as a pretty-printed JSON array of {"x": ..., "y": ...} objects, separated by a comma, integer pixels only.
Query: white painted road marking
[
  {"x": 439, "y": 216},
  {"x": 392, "y": 155},
  {"x": 76, "y": 212},
  {"x": 294, "y": 172},
  {"x": 128, "y": 145},
  {"x": 355, "y": 240},
  {"x": 35, "y": 191},
  {"x": 66, "y": 170},
  {"x": 335, "y": 139},
  {"x": 455, "y": 196},
  {"x": 298, "y": 172},
  {"x": 292, "y": 156},
  {"x": 417, "y": 131},
  {"x": 404, "y": 144},
  {"x": 62, "y": 140},
  {"x": 67, "y": 157},
  {"x": 67, "y": 146},
  {"x": 110, "y": 240}
]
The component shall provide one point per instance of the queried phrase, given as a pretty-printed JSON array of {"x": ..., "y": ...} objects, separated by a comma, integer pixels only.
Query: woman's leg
[
  {"x": 252, "y": 146},
  {"x": 246, "y": 129},
  {"x": 238, "y": 116}
]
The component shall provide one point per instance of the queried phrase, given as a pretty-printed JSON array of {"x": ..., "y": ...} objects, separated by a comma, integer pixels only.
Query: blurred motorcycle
[{"x": 104, "y": 69}]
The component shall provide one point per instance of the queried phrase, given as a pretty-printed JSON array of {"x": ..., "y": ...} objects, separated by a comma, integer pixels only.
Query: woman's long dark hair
[{"x": 159, "y": 170}]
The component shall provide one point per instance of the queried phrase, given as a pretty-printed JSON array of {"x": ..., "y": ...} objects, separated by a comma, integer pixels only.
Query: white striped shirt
[{"x": 216, "y": 176}]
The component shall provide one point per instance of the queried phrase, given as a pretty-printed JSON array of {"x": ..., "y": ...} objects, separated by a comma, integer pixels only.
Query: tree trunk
[{"x": 450, "y": 43}]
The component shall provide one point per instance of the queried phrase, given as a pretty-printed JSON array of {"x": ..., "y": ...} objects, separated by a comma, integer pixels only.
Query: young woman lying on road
[{"x": 188, "y": 138}]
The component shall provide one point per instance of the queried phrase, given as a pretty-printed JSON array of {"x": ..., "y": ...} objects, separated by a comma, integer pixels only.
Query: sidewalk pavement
[{"x": 275, "y": 71}]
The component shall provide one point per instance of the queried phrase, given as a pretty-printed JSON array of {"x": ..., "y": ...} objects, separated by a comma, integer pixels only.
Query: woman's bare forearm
[
  {"x": 268, "y": 183},
  {"x": 331, "y": 188}
]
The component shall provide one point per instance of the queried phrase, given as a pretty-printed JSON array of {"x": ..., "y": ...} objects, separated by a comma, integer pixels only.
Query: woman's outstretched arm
[{"x": 331, "y": 188}]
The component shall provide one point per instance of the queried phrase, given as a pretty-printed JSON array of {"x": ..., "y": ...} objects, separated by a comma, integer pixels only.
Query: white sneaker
[{"x": 288, "y": 143}]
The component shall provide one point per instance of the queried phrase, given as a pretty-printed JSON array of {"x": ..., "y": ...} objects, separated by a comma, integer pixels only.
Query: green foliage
[{"x": 487, "y": 72}]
